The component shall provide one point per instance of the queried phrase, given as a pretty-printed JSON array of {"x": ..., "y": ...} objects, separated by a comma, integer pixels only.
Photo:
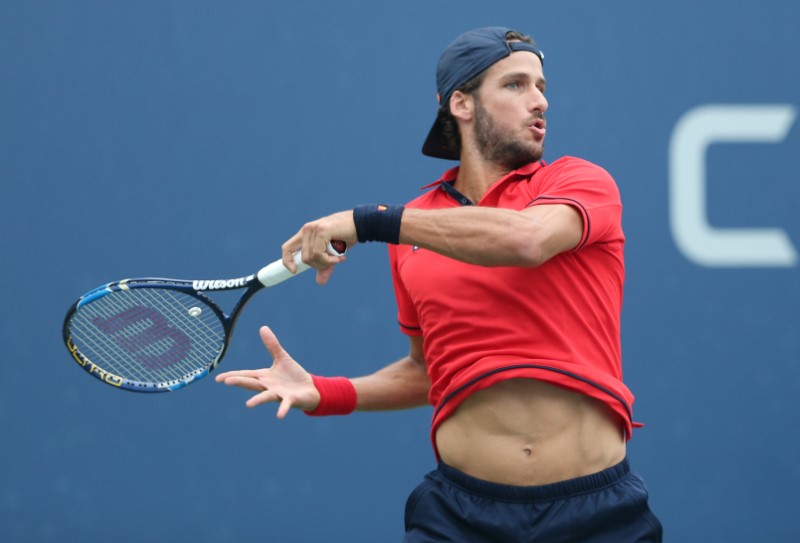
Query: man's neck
[{"x": 476, "y": 175}]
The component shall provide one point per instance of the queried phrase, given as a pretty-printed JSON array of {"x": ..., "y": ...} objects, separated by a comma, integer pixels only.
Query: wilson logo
[
  {"x": 150, "y": 337},
  {"x": 219, "y": 284}
]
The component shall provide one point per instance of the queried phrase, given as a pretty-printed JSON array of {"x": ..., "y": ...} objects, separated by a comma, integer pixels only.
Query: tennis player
[{"x": 508, "y": 275}]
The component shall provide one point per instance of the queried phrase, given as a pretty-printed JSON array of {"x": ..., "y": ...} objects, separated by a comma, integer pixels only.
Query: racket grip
[{"x": 276, "y": 272}]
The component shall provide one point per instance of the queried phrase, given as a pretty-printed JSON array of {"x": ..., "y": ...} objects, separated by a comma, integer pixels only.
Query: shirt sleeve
[
  {"x": 590, "y": 190},
  {"x": 406, "y": 313}
]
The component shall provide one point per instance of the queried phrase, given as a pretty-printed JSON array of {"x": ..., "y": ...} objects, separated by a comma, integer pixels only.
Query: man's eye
[{"x": 513, "y": 85}]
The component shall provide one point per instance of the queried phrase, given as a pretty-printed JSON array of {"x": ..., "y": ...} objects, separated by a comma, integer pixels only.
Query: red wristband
[{"x": 337, "y": 396}]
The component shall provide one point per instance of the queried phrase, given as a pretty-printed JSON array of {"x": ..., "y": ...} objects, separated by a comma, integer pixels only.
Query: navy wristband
[{"x": 378, "y": 223}]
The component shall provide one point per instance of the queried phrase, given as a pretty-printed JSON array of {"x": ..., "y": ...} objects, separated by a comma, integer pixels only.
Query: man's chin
[{"x": 523, "y": 156}]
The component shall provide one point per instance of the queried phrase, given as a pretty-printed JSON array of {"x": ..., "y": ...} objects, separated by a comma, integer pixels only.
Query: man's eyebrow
[{"x": 517, "y": 75}]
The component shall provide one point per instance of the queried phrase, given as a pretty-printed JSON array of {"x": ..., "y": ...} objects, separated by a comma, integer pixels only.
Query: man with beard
[{"x": 508, "y": 276}]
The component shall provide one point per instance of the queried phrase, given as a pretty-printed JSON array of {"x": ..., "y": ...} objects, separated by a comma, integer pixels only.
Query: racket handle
[{"x": 276, "y": 272}]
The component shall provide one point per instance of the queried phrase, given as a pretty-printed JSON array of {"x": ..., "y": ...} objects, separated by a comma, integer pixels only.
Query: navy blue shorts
[{"x": 608, "y": 507}]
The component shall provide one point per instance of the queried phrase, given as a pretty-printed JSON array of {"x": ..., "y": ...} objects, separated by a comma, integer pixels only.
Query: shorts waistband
[{"x": 560, "y": 490}]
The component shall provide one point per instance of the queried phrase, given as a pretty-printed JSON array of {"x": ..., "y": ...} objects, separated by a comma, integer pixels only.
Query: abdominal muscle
[{"x": 525, "y": 432}]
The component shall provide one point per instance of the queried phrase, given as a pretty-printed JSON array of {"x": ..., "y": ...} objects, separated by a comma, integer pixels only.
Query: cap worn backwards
[{"x": 469, "y": 55}]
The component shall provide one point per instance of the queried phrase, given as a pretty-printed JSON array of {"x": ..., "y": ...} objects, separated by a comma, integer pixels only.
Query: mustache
[{"x": 537, "y": 115}]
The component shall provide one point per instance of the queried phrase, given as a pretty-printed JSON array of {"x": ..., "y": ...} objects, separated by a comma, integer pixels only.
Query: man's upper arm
[
  {"x": 416, "y": 352},
  {"x": 560, "y": 228}
]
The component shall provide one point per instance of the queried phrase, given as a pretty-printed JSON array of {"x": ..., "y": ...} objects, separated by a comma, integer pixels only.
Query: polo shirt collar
[{"x": 525, "y": 171}]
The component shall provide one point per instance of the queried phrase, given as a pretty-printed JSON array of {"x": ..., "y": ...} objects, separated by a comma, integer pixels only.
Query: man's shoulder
[
  {"x": 572, "y": 163},
  {"x": 570, "y": 169}
]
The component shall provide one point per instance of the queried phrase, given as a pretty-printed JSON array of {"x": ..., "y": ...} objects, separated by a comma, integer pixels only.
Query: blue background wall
[{"x": 191, "y": 138}]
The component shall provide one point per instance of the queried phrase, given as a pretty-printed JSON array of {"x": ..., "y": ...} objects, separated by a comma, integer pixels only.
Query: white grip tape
[{"x": 276, "y": 272}]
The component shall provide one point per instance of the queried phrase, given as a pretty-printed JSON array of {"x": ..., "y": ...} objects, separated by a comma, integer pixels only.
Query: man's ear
[{"x": 462, "y": 105}]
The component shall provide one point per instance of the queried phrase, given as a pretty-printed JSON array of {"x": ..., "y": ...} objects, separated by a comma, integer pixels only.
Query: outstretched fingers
[
  {"x": 267, "y": 396},
  {"x": 249, "y": 383},
  {"x": 285, "y": 382},
  {"x": 271, "y": 342},
  {"x": 236, "y": 374}
]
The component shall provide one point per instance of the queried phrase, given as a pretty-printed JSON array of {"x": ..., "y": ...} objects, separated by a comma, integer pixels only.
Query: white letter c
[{"x": 695, "y": 237}]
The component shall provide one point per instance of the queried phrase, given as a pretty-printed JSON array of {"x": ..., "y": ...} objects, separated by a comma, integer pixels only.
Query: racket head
[{"x": 146, "y": 335}]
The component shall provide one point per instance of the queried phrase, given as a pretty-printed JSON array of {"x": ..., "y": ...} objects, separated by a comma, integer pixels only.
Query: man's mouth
[{"x": 538, "y": 126}]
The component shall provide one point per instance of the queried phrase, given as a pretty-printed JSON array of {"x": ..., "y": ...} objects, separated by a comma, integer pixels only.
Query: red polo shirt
[{"x": 558, "y": 323}]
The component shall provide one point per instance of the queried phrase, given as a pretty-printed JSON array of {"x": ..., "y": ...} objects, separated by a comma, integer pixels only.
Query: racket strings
[{"x": 150, "y": 335}]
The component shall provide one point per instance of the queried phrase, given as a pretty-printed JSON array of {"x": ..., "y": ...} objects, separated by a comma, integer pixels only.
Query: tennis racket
[{"x": 158, "y": 335}]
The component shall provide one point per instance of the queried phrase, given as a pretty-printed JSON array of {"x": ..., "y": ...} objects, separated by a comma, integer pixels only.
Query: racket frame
[{"x": 228, "y": 321}]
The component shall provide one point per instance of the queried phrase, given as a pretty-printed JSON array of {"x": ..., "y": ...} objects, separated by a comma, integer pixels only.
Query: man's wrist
[
  {"x": 337, "y": 396},
  {"x": 378, "y": 222}
]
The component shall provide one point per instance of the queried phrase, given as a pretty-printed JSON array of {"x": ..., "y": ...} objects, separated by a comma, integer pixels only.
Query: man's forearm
[{"x": 401, "y": 385}]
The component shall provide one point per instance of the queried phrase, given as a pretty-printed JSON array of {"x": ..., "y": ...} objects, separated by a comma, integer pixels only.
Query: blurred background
[{"x": 190, "y": 138}]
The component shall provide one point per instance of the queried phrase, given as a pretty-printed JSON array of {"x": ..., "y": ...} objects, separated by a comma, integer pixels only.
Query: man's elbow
[{"x": 528, "y": 254}]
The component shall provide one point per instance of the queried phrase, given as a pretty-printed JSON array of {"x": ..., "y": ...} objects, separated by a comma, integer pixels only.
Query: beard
[{"x": 498, "y": 145}]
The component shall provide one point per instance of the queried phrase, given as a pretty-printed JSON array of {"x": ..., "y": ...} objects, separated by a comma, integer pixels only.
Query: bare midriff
[{"x": 525, "y": 432}]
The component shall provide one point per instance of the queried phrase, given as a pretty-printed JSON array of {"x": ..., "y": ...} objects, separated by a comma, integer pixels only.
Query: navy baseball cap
[{"x": 469, "y": 55}]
